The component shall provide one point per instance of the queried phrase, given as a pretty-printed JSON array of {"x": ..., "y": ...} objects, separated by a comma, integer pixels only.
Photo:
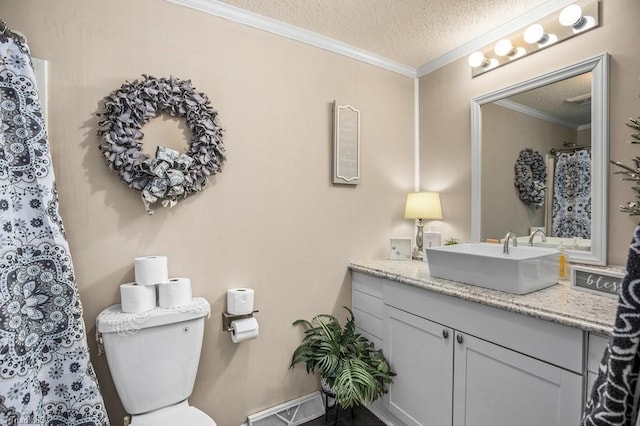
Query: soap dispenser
[{"x": 564, "y": 271}]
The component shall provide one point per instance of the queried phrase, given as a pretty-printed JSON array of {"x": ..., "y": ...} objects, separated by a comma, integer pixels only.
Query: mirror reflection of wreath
[
  {"x": 531, "y": 177},
  {"x": 170, "y": 176}
]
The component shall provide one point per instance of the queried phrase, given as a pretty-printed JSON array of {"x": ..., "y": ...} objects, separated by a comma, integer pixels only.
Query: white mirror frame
[{"x": 599, "y": 66}]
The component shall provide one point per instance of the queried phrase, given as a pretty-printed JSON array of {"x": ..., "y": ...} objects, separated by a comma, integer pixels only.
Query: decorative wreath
[
  {"x": 531, "y": 177},
  {"x": 170, "y": 176}
]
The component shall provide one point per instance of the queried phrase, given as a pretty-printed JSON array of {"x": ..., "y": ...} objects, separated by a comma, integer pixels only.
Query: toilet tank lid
[{"x": 113, "y": 320}]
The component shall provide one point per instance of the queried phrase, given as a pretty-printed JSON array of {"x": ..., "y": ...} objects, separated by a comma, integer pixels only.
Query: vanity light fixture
[
  {"x": 477, "y": 59},
  {"x": 556, "y": 27},
  {"x": 535, "y": 34},
  {"x": 571, "y": 16},
  {"x": 505, "y": 48}
]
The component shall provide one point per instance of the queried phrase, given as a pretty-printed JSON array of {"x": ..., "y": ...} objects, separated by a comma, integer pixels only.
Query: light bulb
[
  {"x": 477, "y": 59},
  {"x": 571, "y": 16},
  {"x": 535, "y": 34},
  {"x": 504, "y": 48}
]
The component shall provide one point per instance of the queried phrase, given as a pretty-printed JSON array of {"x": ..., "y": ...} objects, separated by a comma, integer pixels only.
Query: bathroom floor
[{"x": 362, "y": 417}]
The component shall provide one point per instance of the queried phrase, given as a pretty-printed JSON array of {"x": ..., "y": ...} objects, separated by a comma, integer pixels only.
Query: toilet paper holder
[{"x": 227, "y": 318}]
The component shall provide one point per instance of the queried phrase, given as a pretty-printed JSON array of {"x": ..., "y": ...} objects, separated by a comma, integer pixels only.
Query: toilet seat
[{"x": 179, "y": 414}]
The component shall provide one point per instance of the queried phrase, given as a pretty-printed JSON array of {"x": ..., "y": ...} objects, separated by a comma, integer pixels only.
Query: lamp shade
[{"x": 423, "y": 205}]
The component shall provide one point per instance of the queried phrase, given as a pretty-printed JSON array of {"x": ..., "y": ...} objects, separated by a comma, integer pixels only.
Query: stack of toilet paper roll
[
  {"x": 240, "y": 302},
  {"x": 151, "y": 277}
]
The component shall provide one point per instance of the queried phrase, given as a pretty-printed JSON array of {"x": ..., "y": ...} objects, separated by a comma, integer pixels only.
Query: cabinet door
[
  {"x": 494, "y": 386},
  {"x": 421, "y": 353}
]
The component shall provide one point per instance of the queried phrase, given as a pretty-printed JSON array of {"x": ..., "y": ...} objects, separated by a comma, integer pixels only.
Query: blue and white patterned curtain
[
  {"x": 572, "y": 195},
  {"x": 612, "y": 400},
  {"x": 46, "y": 377}
]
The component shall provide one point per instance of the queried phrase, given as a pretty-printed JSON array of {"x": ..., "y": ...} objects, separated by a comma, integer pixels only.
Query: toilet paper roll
[
  {"x": 175, "y": 292},
  {"x": 151, "y": 270},
  {"x": 240, "y": 301},
  {"x": 244, "y": 329},
  {"x": 136, "y": 298}
]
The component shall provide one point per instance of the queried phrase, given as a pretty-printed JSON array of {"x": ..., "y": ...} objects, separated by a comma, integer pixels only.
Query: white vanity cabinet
[
  {"x": 421, "y": 354},
  {"x": 497, "y": 386},
  {"x": 463, "y": 363}
]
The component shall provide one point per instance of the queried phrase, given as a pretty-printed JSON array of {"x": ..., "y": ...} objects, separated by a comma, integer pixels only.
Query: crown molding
[
  {"x": 507, "y": 28},
  {"x": 236, "y": 14},
  {"x": 535, "y": 113}
]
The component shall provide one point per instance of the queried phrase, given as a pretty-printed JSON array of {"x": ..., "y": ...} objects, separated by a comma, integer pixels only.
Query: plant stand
[{"x": 327, "y": 395}]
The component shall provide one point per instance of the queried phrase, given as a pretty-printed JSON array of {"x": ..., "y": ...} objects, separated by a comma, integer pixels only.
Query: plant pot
[
  {"x": 329, "y": 392},
  {"x": 326, "y": 388}
]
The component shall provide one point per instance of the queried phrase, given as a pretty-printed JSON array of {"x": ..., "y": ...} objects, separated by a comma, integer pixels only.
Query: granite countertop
[{"x": 559, "y": 303}]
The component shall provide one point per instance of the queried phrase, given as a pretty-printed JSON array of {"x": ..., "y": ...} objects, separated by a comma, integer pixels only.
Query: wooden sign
[{"x": 603, "y": 281}]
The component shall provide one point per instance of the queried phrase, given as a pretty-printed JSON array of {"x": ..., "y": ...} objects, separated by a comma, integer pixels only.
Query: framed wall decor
[
  {"x": 346, "y": 144},
  {"x": 400, "y": 248}
]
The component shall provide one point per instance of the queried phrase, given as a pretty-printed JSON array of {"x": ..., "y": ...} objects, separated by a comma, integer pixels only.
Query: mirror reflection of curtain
[{"x": 572, "y": 195}]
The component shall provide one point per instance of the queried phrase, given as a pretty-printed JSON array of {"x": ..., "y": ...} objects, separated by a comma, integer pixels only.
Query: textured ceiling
[
  {"x": 552, "y": 99},
  {"x": 411, "y": 32}
]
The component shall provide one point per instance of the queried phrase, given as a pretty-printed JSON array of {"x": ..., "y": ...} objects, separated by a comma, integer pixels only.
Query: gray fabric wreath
[
  {"x": 531, "y": 177},
  {"x": 170, "y": 176}
]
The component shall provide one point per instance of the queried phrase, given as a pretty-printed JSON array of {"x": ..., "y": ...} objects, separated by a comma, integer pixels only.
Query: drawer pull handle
[
  {"x": 445, "y": 333},
  {"x": 459, "y": 338}
]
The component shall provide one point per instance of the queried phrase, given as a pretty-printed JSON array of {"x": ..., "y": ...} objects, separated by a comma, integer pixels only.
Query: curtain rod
[
  {"x": 554, "y": 151},
  {"x": 4, "y": 29}
]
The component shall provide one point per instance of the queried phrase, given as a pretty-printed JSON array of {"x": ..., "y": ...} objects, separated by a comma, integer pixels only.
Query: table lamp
[{"x": 422, "y": 205}]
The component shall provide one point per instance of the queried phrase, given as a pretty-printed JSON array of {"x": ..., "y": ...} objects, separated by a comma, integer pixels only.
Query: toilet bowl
[{"x": 153, "y": 358}]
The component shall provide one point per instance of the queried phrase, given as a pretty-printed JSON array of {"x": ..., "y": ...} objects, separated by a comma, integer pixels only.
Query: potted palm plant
[{"x": 349, "y": 365}]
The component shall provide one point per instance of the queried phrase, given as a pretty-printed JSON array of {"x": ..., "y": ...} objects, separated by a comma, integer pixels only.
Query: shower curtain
[
  {"x": 572, "y": 195},
  {"x": 46, "y": 377}
]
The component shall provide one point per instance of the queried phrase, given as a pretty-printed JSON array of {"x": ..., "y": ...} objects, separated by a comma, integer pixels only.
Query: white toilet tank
[{"x": 153, "y": 356}]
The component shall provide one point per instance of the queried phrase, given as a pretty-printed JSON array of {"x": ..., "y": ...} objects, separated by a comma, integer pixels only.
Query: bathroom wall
[
  {"x": 505, "y": 133},
  {"x": 272, "y": 220},
  {"x": 445, "y": 95}
]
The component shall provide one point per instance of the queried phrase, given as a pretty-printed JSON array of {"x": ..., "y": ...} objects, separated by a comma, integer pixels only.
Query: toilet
[{"x": 153, "y": 358}]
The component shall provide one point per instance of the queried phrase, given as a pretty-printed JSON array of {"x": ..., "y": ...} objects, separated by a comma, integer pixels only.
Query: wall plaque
[
  {"x": 346, "y": 144},
  {"x": 605, "y": 281}
]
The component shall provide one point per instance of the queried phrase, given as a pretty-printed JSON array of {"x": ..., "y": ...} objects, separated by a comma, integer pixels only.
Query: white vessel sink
[{"x": 523, "y": 270}]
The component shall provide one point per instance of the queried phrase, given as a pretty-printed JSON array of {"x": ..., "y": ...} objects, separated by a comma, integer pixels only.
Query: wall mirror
[{"x": 564, "y": 117}]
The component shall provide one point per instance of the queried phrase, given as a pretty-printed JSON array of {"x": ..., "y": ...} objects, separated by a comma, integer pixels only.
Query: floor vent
[{"x": 290, "y": 413}]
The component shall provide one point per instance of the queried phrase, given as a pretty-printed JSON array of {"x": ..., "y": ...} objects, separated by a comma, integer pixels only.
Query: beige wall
[
  {"x": 584, "y": 137},
  {"x": 505, "y": 133},
  {"x": 271, "y": 220},
  {"x": 445, "y": 95}
]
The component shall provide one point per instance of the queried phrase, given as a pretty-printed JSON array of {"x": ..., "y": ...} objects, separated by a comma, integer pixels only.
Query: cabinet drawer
[
  {"x": 368, "y": 322},
  {"x": 367, "y": 303},
  {"x": 367, "y": 284},
  {"x": 597, "y": 345}
]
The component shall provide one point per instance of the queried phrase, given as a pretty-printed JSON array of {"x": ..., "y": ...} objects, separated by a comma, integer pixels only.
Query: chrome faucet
[
  {"x": 533, "y": 234},
  {"x": 512, "y": 236}
]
